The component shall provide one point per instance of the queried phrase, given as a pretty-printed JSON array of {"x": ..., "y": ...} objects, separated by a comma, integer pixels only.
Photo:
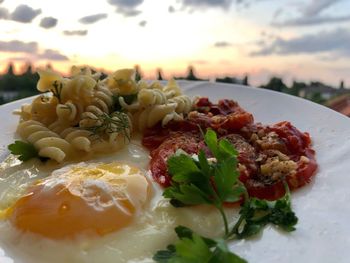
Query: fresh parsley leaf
[
  {"x": 24, "y": 150},
  {"x": 226, "y": 149},
  {"x": 283, "y": 216},
  {"x": 222, "y": 149},
  {"x": 197, "y": 181},
  {"x": 187, "y": 194},
  {"x": 256, "y": 214},
  {"x": 223, "y": 254},
  {"x": 183, "y": 231},
  {"x": 225, "y": 178},
  {"x": 211, "y": 140},
  {"x": 193, "y": 248},
  {"x": 163, "y": 256},
  {"x": 204, "y": 164},
  {"x": 182, "y": 167}
]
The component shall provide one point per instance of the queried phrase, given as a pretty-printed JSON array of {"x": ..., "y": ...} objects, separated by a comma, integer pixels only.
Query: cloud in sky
[
  {"x": 171, "y": 9},
  {"x": 4, "y": 13},
  {"x": 312, "y": 21},
  {"x": 126, "y": 7},
  {"x": 208, "y": 3},
  {"x": 311, "y": 15},
  {"x": 92, "y": 18},
  {"x": 48, "y": 22},
  {"x": 24, "y": 14},
  {"x": 32, "y": 51},
  {"x": 17, "y": 46},
  {"x": 333, "y": 41},
  {"x": 75, "y": 32},
  {"x": 143, "y": 23},
  {"x": 317, "y": 6},
  {"x": 51, "y": 54},
  {"x": 222, "y": 44}
]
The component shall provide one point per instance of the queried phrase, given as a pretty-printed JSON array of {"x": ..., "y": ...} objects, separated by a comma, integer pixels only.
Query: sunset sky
[{"x": 295, "y": 39}]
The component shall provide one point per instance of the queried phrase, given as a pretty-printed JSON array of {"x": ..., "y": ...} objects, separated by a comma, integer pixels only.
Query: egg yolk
[{"x": 82, "y": 200}]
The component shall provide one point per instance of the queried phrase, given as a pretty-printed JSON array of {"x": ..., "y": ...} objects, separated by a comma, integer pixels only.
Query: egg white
[{"x": 150, "y": 231}]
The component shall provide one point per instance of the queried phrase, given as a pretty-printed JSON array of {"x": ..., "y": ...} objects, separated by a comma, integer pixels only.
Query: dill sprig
[
  {"x": 116, "y": 122},
  {"x": 57, "y": 89}
]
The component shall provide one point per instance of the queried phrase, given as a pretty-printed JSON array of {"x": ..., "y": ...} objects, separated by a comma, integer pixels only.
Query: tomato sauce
[{"x": 254, "y": 142}]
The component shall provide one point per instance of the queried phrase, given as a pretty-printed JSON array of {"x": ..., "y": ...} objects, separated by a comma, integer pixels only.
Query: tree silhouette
[
  {"x": 138, "y": 75},
  {"x": 17, "y": 86},
  {"x": 191, "y": 75},
  {"x": 245, "y": 80},
  {"x": 275, "y": 84},
  {"x": 296, "y": 88},
  {"x": 159, "y": 74},
  {"x": 10, "y": 70}
]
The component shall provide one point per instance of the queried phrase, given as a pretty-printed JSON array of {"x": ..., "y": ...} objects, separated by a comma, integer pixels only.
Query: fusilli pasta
[
  {"x": 101, "y": 103},
  {"x": 79, "y": 89},
  {"x": 83, "y": 115},
  {"x": 48, "y": 143}
]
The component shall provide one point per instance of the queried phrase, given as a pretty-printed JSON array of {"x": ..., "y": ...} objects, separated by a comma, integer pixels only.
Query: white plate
[{"x": 323, "y": 207}]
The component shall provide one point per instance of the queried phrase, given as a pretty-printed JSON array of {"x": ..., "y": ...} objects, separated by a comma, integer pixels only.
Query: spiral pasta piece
[
  {"x": 47, "y": 80},
  {"x": 79, "y": 89},
  {"x": 43, "y": 109},
  {"x": 145, "y": 98},
  {"x": 122, "y": 82},
  {"x": 152, "y": 115},
  {"x": 48, "y": 143},
  {"x": 58, "y": 126},
  {"x": 172, "y": 89},
  {"x": 149, "y": 97},
  {"x": 102, "y": 103},
  {"x": 184, "y": 103},
  {"x": 79, "y": 139},
  {"x": 69, "y": 112},
  {"x": 103, "y": 99}
]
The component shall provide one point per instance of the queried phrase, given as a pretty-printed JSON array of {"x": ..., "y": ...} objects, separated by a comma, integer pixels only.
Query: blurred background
[{"x": 300, "y": 47}]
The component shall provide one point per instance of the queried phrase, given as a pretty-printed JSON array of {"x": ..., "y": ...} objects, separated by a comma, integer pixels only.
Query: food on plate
[
  {"x": 267, "y": 154},
  {"x": 89, "y": 113},
  {"x": 81, "y": 199},
  {"x": 108, "y": 167},
  {"x": 198, "y": 180}
]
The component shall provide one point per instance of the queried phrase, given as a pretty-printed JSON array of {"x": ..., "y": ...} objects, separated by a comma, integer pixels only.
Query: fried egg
[{"x": 105, "y": 210}]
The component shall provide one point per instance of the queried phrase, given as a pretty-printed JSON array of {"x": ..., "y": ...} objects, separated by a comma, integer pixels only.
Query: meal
[{"x": 109, "y": 169}]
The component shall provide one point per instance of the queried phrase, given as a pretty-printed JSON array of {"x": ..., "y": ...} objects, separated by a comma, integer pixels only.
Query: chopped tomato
[
  {"x": 228, "y": 119},
  {"x": 153, "y": 137},
  {"x": 295, "y": 140},
  {"x": 188, "y": 142}
]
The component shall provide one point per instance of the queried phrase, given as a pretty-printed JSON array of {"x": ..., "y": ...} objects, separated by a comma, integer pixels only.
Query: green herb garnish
[
  {"x": 203, "y": 180},
  {"x": 256, "y": 214},
  {"x": 116, "y": 122},
  {"x": 200, "y": 182},
  {"x": 194, "y": 248},
  {"x": 57, "y": 90},
  {"x": 24, "y": 150}
]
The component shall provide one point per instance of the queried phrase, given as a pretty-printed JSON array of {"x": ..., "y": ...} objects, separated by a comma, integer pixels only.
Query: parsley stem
[
  {"x": 218, "y": 205},
  {"x": 235, "y": 228},
  {"x": 222, "y": 212},
  {"x": 287, "y": 192}
]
